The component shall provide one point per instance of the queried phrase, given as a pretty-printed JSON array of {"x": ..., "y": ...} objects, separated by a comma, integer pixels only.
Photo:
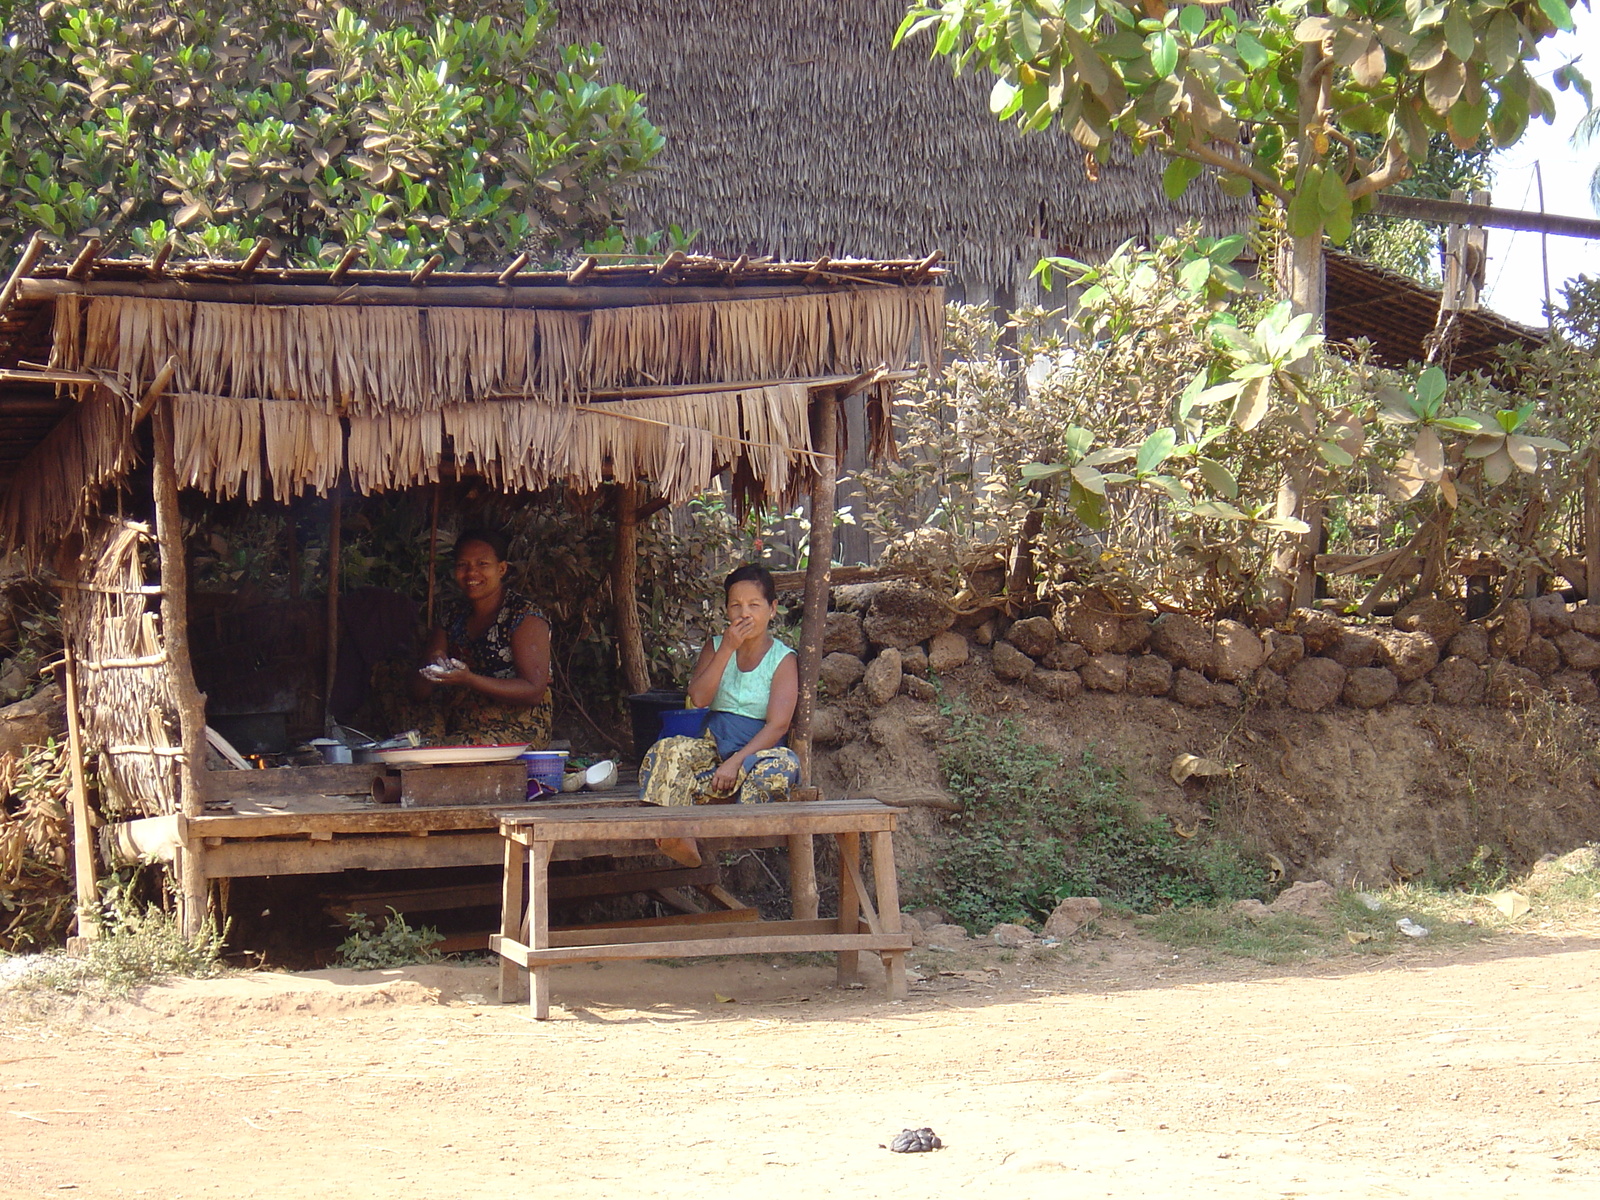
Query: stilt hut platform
[{"x": 123, "y": 382}]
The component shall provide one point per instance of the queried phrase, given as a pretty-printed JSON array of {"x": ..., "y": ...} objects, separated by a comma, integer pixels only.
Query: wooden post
[
  {"x": 625, "y": 590},
  {"x": 814, "y": 624},
  {"x": 433, "y": 554},
  {"x": 803, "y": 877},
  {"x": 849, "y": 964},
  {"x": 335, "y": 552},
  {"x": 513, "y": 980},
  {"x": 192, "y": 890},
  {"x": 83, "y": 856},
  {"x": 292, "y": 551},
  {"x": 1591, "y": 527}
]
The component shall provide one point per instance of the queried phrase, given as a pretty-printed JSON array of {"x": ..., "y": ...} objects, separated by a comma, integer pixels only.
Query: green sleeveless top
[{"x": 747, "y": 692}]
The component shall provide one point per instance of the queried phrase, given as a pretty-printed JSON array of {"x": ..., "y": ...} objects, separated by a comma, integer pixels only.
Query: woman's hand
[
  {"x": 727, "y": 776},
  {"x": 460, "y": 677},
  {"x": 740, "y": 631}
]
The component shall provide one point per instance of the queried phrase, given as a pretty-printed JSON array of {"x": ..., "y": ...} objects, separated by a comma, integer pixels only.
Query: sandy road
[{"x": 1127, "y": 1075}]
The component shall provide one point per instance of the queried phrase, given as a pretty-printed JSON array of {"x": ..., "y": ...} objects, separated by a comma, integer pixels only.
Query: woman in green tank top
[{"x": 750, "y": 682}]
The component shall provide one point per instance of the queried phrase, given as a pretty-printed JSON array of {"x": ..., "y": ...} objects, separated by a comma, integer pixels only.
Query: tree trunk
[
  {"x": 625, "y": 590},
  {"x": 814, "y": 624}
]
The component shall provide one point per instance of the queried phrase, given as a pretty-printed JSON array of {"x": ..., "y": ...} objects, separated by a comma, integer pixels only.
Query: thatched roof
[
  {"x": 287, "y": 380},
  {"x": 1396, "y": 314},
  {"x": 794, "y": 130}
]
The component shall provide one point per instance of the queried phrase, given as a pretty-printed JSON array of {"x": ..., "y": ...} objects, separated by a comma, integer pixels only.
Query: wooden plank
[
  {"x": 337, "y": 780},
  {"x": 83, "y": 856},
  {"x": 538, "y": 926},
  {"x": 734, "y": 820},
  {"x": 474, "y": 895},
  {"x": 512, "y": 981},
  {"x": 623, "y": 883},
  {"x": 849, "y": 965},
  {"x": 852, "y": 865},
  {"x": 726, "y": 940},
  {"x": 647, "y": 929},
  {"x": 476, "y": 785},
  {"x": 887, "y": 881},
  {"x": 257, "y": 857},
  {"x": 802, "y": 876},
  {"x": 722, "y": 896}
]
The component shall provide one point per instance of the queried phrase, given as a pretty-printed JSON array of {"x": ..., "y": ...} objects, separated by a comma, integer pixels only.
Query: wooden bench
[{"x": 529, "y": 947}]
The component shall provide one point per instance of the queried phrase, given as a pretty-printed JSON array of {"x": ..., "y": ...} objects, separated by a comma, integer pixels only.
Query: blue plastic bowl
[
  {"x": 684, "y": 722},
  {"x": 545, "y": 766}
]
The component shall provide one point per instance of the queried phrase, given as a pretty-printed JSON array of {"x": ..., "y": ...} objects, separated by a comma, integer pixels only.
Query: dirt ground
[{"x": 1113, "y": 1068}]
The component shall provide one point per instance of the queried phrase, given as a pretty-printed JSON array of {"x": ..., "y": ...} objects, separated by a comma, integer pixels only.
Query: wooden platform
[{"x": 528, "y": 946}]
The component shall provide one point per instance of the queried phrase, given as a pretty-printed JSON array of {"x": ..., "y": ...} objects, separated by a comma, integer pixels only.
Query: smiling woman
[{"x": 487, "y": 678}]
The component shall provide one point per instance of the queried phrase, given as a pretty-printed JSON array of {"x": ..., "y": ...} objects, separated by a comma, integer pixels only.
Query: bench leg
[
  {"x": 512, "y": 981},
  {"x": 802, "y": 877},
  {"x": 849, "y": 905},
  {"x": 886, "y": 883},
  {"x": 539, "y": 926}
]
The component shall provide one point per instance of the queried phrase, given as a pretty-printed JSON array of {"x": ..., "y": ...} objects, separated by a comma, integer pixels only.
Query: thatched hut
[
  {"x": 264, "y": 383},
  {"x": 794, "y": 130}
]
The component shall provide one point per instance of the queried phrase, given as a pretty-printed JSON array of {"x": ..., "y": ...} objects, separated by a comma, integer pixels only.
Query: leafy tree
[
  {"x": 403, "y": 128},
  {"x": 1277, "y": 100}
]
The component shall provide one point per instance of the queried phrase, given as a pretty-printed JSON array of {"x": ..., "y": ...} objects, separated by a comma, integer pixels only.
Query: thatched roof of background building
[
  {"x": 283, "y": 381},
  {"x": 794, "y": 130}
]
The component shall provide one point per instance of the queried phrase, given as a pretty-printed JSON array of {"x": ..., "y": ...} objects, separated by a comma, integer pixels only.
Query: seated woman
[
  {"x": 502, "y": 693},
  {"x": 750, "y": 681}
]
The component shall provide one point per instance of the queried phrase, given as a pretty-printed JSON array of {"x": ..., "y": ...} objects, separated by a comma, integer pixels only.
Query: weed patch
[
  {"x": 396, "y": 945},
  {"x": 1034, "y": 828},
  {"x": 134, "y": 948}
]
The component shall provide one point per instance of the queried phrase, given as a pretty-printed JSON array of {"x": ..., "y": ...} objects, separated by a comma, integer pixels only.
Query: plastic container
[
  {"x": 646, "y": 708},
  {"x": 544, "y": 767},
  {"x": 684, "y": 722}
]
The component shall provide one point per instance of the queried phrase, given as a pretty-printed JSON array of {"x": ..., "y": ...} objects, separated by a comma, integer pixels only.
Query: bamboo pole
[
  {"x": 625, "y": 590},
  {"x": 814, "y": 624},
  {"x": 433, "y": 554},
  {"x": 1591, "y": 527},
  {"x": 83, "y": 856},
  {"x": 335, "y": 551},
  {"x": 192, "y": 890}
]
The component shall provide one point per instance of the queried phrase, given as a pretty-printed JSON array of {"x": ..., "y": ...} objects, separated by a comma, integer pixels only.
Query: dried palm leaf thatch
[
  {"x": 129, "y": 711},
  {"x": 305, "y": 447},
  {"x": 466, "y": 351},
  {"x": 391, "y": 450},
  {"x": 217, "y": 441},
  {"x": 55, "y": 485},
  {"x": 132, "y": 337},
  {"x": 66, "y": 347}
]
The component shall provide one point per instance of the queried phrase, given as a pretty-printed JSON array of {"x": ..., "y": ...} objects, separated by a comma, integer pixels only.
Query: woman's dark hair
[
  {"x": 750, "y": 573},
  {"x": 489, "y": 537}
]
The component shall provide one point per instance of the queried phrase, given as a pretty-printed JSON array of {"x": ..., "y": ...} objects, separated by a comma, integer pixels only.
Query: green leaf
[
  {"x": 1155, "y": 450},
  {"x": 1163, "y": 48},
  {"x": 1192, "y": 20},
  {"x": 1176, "y": 178},
  {"x": 1431, "y": 385},
  {"x": 1305, "y": 212},
  {"x": 1287, "y": 525},
  {"x": 1034, "y": 472},
  {"x": 1251, "y": 52},
  {"x": 1078, "y": 441},
  {"x": 1251, "y": 407},
  {"x": 1559, "y": 13},
  {"x": 1337, "y": 212},
  {"x": 1225, "y": 250},
  {"x": 1219, "y": 509},
  {"x": 1024, "y": 34},
  {"x": 1089, "y": 507},
  {"x": 1192, "y": 276},
  {"x": 1111, "y": 454},
  {"x": 1089, "y": 479},
  {"x": 1335, "y": 456},
  {"x": 1458, "y": 32},
  {"x": 1003, "y": 98},
  {"x": 1218, "y": 478}
]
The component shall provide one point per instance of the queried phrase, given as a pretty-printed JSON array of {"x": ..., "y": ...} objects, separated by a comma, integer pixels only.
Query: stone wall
[{"x": 886, "y": 639}]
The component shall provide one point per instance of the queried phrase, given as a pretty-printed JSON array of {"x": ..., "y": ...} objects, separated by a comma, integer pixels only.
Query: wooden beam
[
  {"x": 420, "y": 275},
  {"x": 158, "y": 264},
  {"x": 510, "y": 272},
  {"x": 346, "y": 261},
  {"x": 257, "y": 255},
  {"x": 46, "y": 376},
  {"x": 444, "y": 296},
  {"x": 671, "y": 262},
  {"x": 582, "y": 271},
  {"x": 824, "y": 498},
  {"x": 31, "y": 254},
  {"x": 625, "y": 593},
  {"x": 193, "y": 890},
  {"x": 335, "y": 550},
  {"x": 84, "y": 263},
  {"x": 158, "y": 388},
  {"x": 1447, "y": 212},
  {"x": 83, "y": 848},
  {"x": 650, "y": 391},
  {"x": 817, "y": 268}
]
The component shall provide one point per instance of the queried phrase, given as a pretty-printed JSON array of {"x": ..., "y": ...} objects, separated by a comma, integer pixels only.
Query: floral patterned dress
[{"x": 461, "y": 716}]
